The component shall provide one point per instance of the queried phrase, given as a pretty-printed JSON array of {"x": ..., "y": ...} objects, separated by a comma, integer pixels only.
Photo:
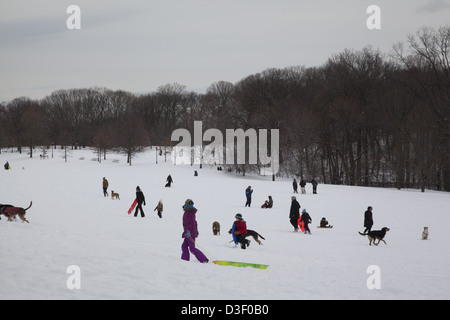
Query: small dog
[
  {"x": 216, "y": 228},
  {"x": 253, "y": 234},
  {"x": 425, "y": 233},
  {"x": 114, "y": 195},
  {"x": 376, "y": 234},
  {"x": 11, "y": 212}
]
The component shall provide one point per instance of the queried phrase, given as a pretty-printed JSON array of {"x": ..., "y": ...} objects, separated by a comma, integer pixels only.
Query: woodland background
[{"x": 362, "y": 118}]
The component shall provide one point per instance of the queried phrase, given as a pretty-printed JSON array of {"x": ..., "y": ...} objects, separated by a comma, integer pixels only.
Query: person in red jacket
[{"x": 240, "y": 231}]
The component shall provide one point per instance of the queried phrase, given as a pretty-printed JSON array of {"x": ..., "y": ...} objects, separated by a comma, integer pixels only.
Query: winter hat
[
  {"x": 304, "y": 210},
  {"x": 238, "y": 216},
  {"x": 293, "y": 198},
  {"x": 189, "y": 202},
  {"x": 138, "y": 189}
]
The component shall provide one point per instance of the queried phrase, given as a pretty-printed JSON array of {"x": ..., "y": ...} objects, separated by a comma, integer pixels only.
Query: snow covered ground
[{"x": 122, "y": 257}]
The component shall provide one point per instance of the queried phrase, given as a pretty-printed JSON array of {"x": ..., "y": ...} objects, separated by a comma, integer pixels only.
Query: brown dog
[
  {"x": 10, "y": 212},
  {"x": 114, "y": 195},
  {"x": 216, "y": 228}
]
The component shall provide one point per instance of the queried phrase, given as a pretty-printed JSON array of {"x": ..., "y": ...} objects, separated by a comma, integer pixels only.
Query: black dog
[
  {"x": 253, "y": 234},
  {"x": 376, "y": 234}
]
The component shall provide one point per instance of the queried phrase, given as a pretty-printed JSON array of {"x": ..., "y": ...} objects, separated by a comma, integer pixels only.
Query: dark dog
[
  {"x": 253, "y": 234},
  {"x": 10, "y": 212},
  {"x": 376, "y": 234}
]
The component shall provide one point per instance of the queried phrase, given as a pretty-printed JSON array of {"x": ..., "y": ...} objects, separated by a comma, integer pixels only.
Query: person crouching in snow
[
  {"x": 190, "y": 233},
  {"x": 306, "y": 219},
  {"x": 239, "y": 231}
]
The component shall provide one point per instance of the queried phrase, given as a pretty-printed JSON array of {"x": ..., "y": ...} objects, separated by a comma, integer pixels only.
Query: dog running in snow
[
  {"x": 253, "y": 234},
  {"x": 10, "y": 212},
  {"x": 376, "y": 235}
]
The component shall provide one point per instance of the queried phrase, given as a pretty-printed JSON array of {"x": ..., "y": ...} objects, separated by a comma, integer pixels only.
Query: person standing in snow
[
  {"x": 368, "y": 220},
  {"x": 190, "y": 233},
  {"x": 294, "y": 214},
  {"x": 105, "y": 187},
  {"x": 248, "y": 194},
  {"x": 160, "y": 208},
  {"x": 140, "y": 200},
  {"x": 302, "y": 186},
  {"x": 239, "y": 230},
  {"x": 295, "y": 186},
  {"x": 314, "y": 184},
  {"x": 306, "y": 219}
]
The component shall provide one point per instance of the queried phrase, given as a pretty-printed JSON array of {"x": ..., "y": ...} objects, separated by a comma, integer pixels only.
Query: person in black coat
[
  {"x": 314, "y": 184},
  {"x": 294, "y": 214},
  {"x": 368, "y": 220},
  {"x": 248, "y": 194},
  {"x": 169, "y": 181},
  {"x": 140, "y": 200}
]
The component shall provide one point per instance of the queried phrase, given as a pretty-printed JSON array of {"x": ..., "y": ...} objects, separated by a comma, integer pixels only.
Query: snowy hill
[{"x": 122, "y": 257}]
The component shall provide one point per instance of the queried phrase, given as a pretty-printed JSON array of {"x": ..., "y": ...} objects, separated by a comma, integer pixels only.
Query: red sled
[
  {"x": 301, "y": 224},
  {"x": 132, "y": 206}
]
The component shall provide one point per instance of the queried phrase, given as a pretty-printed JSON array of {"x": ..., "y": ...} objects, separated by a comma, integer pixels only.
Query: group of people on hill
[
  {"x": 140, "y": 198},
  {"x": 239, "y": 227},
  {"x": 303, "y": 186}
]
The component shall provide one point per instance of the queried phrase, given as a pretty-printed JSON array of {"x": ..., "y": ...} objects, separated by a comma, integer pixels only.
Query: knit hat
[{"x": 238, "y": 216}]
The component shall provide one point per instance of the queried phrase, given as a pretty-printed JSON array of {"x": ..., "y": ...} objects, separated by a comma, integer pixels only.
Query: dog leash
[{"x": 203, "y": 250}]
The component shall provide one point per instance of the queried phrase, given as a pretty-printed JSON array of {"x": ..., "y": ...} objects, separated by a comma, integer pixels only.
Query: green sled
[{"x": 241, "y": 264}]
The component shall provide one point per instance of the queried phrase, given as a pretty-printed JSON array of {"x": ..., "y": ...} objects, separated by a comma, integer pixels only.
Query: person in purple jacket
[{"x": 190, "y": 233}]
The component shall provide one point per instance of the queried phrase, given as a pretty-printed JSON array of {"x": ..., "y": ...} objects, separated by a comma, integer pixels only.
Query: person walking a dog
[
  {"x": 140, "y": 200},
  {"x": 294, "y": 214},
  {"x": 190, "y": 233},
  {"x": 368, "y": 220}
]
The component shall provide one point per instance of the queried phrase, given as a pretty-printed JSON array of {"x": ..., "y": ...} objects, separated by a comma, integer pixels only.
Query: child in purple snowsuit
[{"x": 190, "y": 233}]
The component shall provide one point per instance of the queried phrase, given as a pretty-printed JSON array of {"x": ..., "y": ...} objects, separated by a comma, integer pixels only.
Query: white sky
[{"x": 139, "y": 45}]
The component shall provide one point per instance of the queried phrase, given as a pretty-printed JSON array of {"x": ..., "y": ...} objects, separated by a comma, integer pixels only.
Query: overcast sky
[{"x": 139, "y": 45}]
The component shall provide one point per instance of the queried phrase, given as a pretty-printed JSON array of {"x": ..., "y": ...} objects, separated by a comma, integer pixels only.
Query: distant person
[
  {"x": 302, "y": 186},
  {"x": 314, "y": 185},
  {"x": 105, "y": 187},
  {"x": 295, "y": 186},
  {"x": 368, "y": 220},
  {"x": 268, "y": 203},
  {"x": 160, "y": 208},
  {"x": 294, "y": 213},
  {"x": 248, "y": 194},
  {"x": 140, "y": 200},
  {"x": 7, "y": 166},
  {"x": 306, "y": 219},
  {"x": 324, "y": 223},
  {"x": 169, "y": 181}
]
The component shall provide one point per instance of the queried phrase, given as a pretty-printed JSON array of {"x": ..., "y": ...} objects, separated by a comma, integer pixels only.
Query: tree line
[{"x": 362, "y": 118}]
